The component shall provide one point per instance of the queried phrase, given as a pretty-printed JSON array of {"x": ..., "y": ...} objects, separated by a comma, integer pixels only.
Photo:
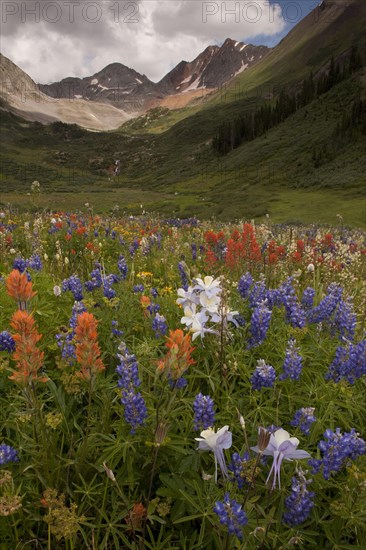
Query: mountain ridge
[{"x": 131, "y": 91}]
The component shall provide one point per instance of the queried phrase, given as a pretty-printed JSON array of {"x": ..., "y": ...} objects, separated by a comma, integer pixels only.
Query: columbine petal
[
  {"x": 282, "y": 447},
  {"x": 216, "y": 442}
]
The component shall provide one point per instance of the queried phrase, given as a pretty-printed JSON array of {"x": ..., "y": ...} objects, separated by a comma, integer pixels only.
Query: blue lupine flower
[
  {"x": 257, "y": 294},
  {"x": 338, "y": 449},
  {"x": 292, "y": 365},
  {"x": 344, "y": 320},
  {"x": 349, "y": 363},
  {"x": 238, "y": 467},
  {"x": 135, "y": 411},
  {"x": 295, "y": 315},
  {"x": 122, "y": 266},
  {"x": 244, "y": 285},
  {"x": 133, "y": 247},
  {"x": 138, "y": 288},
  {"x": 127, "y": 369},
  {"x": 95, "y": 280},
  {"x": 115, "y": 329},
  {"x": 204, "y": 413},
  {"x": 65, "y": 340},
  {"x": 159, "y": 325},
  {"x": 259, "y": 324},
  {"x": 327, "y": 306},
  {"x": 231, "y": 514},
  {"x": 183, "y": 276},
  {"x": 194, "y": 251},
  {"x": 20, "y": 264},
  {"x": 303, "y": 418},
  {"x": 177, "y": 383},
  {"x": 8, "y": 454},
  {"x": 300, "y": 502},
  {"x": 153, "y": 308},
  {"x": 308, "y": 298},
  {"x": 35, "y": 262},
  {"x": 73, "y": 284},
  {"x": 154, "y": 292},
  {"x": 108, "y": 291},
  {"x": 264, "y": 376},
  {"x": 7, "y": 342}
]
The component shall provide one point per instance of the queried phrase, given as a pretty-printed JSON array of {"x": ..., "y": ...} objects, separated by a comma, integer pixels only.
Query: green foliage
[{"x": 83, "y": 476}]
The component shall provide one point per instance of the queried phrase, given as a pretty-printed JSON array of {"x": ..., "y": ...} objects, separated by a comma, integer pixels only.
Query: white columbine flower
[
  {"x": 211, "y": 304},
  {"x": 189, "y": 315},
  {"x": 186, "y": 297},
  {"x": 198, "y": 327},
  {"x": 216, "y": 442},
  {"x": 209, "y": 285},
  {"x": 225, "y": 316},
  {"x": 281, "y": 446}
]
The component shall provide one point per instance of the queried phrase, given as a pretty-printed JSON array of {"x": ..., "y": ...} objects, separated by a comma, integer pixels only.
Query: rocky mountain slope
[
  {"x": 127, "y": 89},
  {"x": 23, "y": 97}
]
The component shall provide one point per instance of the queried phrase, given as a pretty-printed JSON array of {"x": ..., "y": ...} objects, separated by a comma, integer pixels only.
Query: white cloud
[{"x": 51, "y": 40}]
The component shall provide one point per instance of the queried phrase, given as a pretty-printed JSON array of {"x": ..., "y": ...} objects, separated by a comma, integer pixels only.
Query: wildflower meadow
[{"x": 177, "y": 384}]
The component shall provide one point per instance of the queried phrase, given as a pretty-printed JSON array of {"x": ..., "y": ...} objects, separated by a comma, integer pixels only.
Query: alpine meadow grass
[{"x": 177, "y": 384}]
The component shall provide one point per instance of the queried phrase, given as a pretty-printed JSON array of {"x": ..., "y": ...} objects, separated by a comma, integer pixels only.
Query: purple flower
[
  {"x": 300, "y": 502},
  {"x": 308, "y": 298},
  {"x": 183, "y": 275},
  {"x": 127, "y": 369},
  {"x": 344, "y": 320},
  {"x": 35, "y": 262},
  {"x": 258, "y": 294},
  {"x": 295, "y": 315},
  {"x": 8, "y": 454},
  {"x": 135, "y": 411},
  {"x": 281, "y": 446},
  {"x": 264, "y": 376},
  {"x": 96, "y": 280},
  {"x": 115, "y": 329},
  {"x": 259, "y": 324},
  {"x": 303, "y": 418},
  {"x": 244, "y": 285},
  {"x": 327, "y": 306},
  {"x": 73, "y": 284},
  {"x": 204, "y": 413},
  {"x": 349, "y": 363},
  {"x": 65, "y": 339},
  {"x": 231, "y": 515},
  {"x": 238, "y": 466},
  {"x": 7, "y": 342},
  {"x": 138, "y": 288},
  {"x": 292, "y": 365},
  {"x": 20, "y": 264},
  {"x": 154, "y": 292},
  {"x": 338, "y": 449},
  {"x": 159, "y": 325},
  {"x": 122, "y": 266}
]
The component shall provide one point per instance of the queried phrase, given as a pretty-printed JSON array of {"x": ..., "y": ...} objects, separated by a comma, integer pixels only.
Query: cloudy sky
[{"x": 51, "y": 40}]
